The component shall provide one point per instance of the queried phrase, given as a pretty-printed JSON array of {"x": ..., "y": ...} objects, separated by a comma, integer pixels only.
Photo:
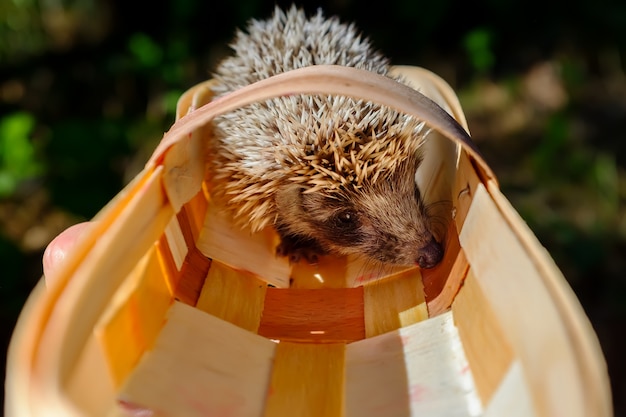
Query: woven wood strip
[
  {"x": 394, "y": 302},
  {"x": 320, "y": 315},
  {"x": 435, "y": 278},
  {"x": 234, "y": 296},
  {"x": 488, "y": 351},
  {"x": 307, "y": 381},
  {"x": 134, "y": 318},
  {"x": 200, "y": 366},
  {"x": 442, "y": 302},
  {"x": 193, "y": 273}
]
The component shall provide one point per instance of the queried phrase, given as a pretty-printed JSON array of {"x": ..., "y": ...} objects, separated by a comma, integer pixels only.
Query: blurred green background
[{"x": 87, "y": 88}]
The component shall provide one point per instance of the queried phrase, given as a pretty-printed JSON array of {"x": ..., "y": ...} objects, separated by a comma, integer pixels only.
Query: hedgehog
[{"x": 331, "y": 174}]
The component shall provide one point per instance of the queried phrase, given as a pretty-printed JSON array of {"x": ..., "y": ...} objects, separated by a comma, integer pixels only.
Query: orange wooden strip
[
  {"x": 233, "y": 296},
  {"x": 329, "y": 272},
  {"x": 435, "y": 278},
  {"x": 488, "y": 351},
  {"x": 319, "y": 315},
  {"x": 193, "y": 273},
  {"x": 442, "y": 302},
  {"x": 168, "y": 265},
  {"x": 307, "y": 381},
  {"x": 185, "y": 227},
  {"x": 131, "y": 327}
]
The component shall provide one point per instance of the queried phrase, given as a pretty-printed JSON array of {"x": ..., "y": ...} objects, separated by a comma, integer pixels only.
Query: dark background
[{"x": 87, "y": 88}]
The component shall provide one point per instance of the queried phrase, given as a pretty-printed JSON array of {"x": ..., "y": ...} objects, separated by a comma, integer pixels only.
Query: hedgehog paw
[{"x": 295, "y": 249}]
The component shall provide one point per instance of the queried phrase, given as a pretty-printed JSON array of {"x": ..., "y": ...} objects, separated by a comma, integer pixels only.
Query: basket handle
[{"x": 333, "y": 80}]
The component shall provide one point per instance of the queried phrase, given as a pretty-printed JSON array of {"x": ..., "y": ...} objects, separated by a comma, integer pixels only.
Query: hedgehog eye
[{"x": 346, "y": 219}]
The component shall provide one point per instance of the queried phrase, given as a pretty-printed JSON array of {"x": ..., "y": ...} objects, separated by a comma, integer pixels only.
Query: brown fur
[{"x": 391, "y": 223}]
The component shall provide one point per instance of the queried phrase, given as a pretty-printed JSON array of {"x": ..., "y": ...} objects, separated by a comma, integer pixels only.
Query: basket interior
[{"x": 211, "y": 306}]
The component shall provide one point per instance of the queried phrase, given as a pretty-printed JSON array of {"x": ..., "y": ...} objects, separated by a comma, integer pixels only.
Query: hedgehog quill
[{"x": 333, "y": 175}]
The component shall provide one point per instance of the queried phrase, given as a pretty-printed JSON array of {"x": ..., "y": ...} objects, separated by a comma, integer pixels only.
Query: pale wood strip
[
  {"x": 322, "y": 315},
  {"x": 433, "y": 87},
  {"x": 184, "y": 162},
  {"x": 202, "y": 366},
  {"x": 234, "y": 296},
  {"x": 511, "y": 399},
  {"x": 464, "y": 188},
  {"x": 394, "y": 302},
  {"x": 530, "y": 320},
  {"x": 488, "y": 351},
  {"x": 188, "y": 100},
  {"x": 224, "y": 242},
  {"x": 419, "y": 370},
  {"x": 307, "y": 381},
  {"x": 583, "y": 340},
  {"x": 176, "y": 242},
  {"x": 91, "y": 369},
  {"x": 360, "y": 271}
]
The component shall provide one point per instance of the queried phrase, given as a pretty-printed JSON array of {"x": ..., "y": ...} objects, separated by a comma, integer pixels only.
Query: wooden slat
[
  {"x": 360, "y": 271},
  {"x": 488, "y": 351},
  {"x": 176, "y": 242},
  {"x": 24, "y": 384},
  {"x": 168, "y": 265},
  {"x": 321, "y": 315},
  {"x": 583, "y": 339},
  {"x": 194, "y": 213},
  {"x": 195, "y": 265},
  {"x": 435, "y": 279},
  {"x": 184, "y": 164},
  {"x": 201, "y": 366},
  {"x": 419, "y": 370},
  {"x": 464, "y": 188},
  {"x": 233, "y": 296},
  {"x": 453, "y": 284},
  {"x": 307, "y": 381},
  {"x": 394, "y": 302},
  {"x": 511, "y": 283},
  {"x": 113, "y": 257},
  {"x": 329, "y": 272},
  {"x": 134, "y": 317},
  {"x": 434, "y": 87},
  {"x": 193, "y": 273},
  {"x": 223, "y": 241},
  {"x": 512, "y": 398},
  {"x": 91, "y": 369}
]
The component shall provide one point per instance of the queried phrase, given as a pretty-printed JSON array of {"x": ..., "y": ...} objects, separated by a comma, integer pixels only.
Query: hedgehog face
[{"x": 386, "y": 221}]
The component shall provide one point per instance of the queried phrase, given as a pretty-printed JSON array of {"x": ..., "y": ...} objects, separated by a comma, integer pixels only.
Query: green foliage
[
  {"x": 18, "y": 159},
  {"x": 478, "y": 45},
  {"x": 147, "y": 53}
]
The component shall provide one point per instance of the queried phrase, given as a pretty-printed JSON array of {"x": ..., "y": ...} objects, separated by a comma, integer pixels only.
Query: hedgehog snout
[{"x": 430, "y": 254}]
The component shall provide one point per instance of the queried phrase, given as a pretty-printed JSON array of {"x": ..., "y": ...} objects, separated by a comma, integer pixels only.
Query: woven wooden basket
[{"x": 164, "y": 308}]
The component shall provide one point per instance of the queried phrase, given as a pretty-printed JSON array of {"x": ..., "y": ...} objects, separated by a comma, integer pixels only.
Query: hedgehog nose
[{"x": 430, "y": 255}]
